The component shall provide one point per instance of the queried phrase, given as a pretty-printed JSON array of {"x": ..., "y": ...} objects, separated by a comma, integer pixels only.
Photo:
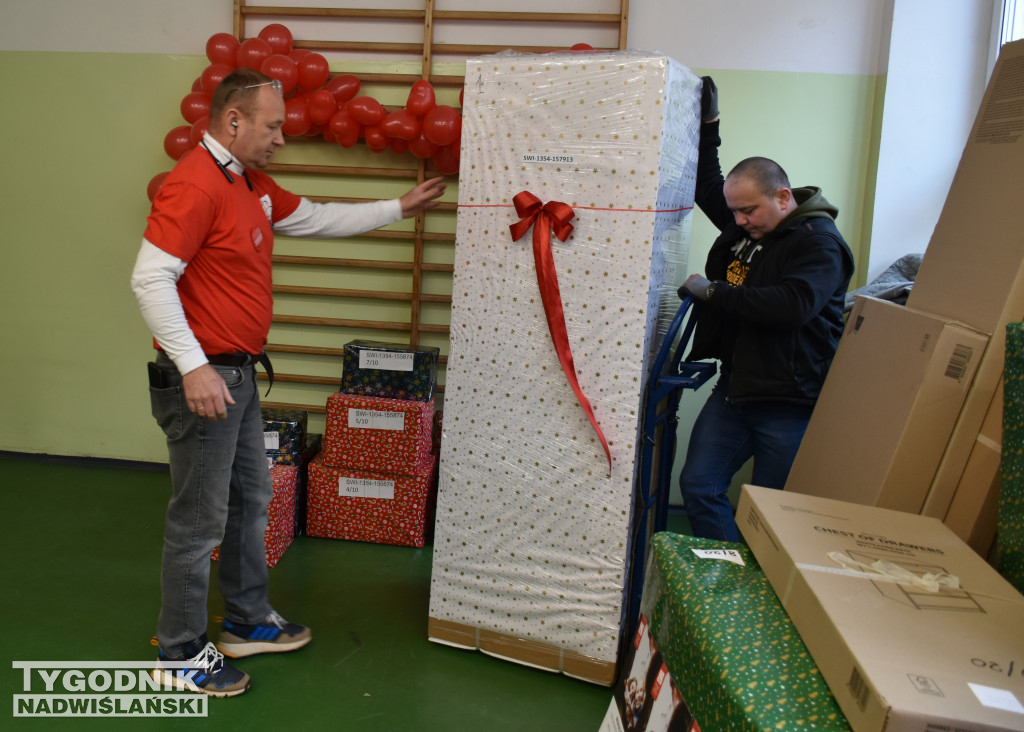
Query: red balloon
[
  {"x": 213, "y": 75},
  {"x": 281, "y": 67},
  {"x": 198, "y": 130},
  {"x": 252, "y": 53},
  {"x": 177, "y": 142},
  {"x": 399, "y": 146},
  {"x": 421, "y": 98},
  {"x": 442, "y": 125},
  {"x": 194, "y": 106},
  {"x": 375, "y": 138},
  {"x": 345, "y": 129},
  {"x": 445, "y": 161},
  {"x": 581, "y": 47},
  {"x": 197, "y": 85},
  {"x": 313, "y": 71},
  {"x": 222, "y": 48},
  {"x": 401, "y": 124},
  {"x": 297, "y": 54},
  {"x": 322, "y": 106},
  {"x": 154, "y": 185},
  {"x": 328, "y": 135},
  {"x": 343, "y": 87},
  {"x": 296, "y": 117},
  {"x": 278, "y": 36},
  {"x": 366, "y": 110},
  {"x": 421, "y": 147}
]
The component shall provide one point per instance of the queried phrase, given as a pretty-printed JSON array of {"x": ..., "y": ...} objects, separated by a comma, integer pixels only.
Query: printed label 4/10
[{"x": 366, "y": 488}]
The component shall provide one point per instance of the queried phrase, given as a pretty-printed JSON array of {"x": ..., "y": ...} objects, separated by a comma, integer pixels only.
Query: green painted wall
[{"x": 83, "y": 135}]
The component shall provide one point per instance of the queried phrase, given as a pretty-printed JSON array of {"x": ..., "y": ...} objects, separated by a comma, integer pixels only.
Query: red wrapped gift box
[
  {"x": 345, "y": 503},
  {"x": 281, "y": 513},
  {"x": 376, "y": 433}
]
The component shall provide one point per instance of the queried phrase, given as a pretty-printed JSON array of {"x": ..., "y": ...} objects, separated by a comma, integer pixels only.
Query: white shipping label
[
  {"x": 387, "y": 360},
  {"x": 366, "y": 488},
  {"x": 371, "y": 419},
  {"x": 727, "y": 555},
  {"x": 271, "y": 440}
]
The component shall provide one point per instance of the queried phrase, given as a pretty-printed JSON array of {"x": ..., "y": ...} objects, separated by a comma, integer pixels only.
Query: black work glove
[
  {"x": 696, "y": 287},
  {"x": 708, "y": 100}
]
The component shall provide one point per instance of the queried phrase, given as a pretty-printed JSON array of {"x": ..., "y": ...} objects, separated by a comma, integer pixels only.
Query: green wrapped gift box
[{"x": 727, "y": 641}]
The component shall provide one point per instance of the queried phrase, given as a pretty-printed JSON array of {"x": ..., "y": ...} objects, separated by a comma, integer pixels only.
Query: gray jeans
[{"x": 221, "y": 488}]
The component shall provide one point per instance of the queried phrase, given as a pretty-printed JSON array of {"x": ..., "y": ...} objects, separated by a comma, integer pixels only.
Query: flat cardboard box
[
  {"x": 889, "y": 404},
  {"x": 896, "y": 656},
  {"x": 973, "y": 268}
]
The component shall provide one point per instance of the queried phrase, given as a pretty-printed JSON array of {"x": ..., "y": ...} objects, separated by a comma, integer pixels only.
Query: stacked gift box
[
  {"x": 375, "y": 479},
  {"x": 289, "y": 450}
]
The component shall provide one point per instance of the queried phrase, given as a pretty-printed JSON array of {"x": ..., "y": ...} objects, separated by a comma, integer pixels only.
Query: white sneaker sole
[
  {"x": 252, "y": 648},
  {"x": 168, "y": 679}
]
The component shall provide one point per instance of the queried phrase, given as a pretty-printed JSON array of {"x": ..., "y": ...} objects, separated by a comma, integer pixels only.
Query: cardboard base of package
[
  {"x": 280, "y": 513},
  {"x": 363, "y": 505},
  {"x": 889, "y": 404},
  {"x": 734, "y": 653},
  {"x": 647, "y": 697},
  {"x": 526, "y": 652},
  {"x": 911, "y": 629}
]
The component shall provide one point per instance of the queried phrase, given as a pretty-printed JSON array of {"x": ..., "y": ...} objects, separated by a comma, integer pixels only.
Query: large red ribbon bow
[{"x": 543, "y": 218}]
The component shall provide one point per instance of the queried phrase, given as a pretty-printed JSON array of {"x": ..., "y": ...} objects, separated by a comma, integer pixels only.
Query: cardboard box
[
  {"x": 533, "y": 536},
  {"x": 896, "y": 655},
  {"x": 888, "y": 407},
  {"x": 377, "y": 434},
  {"x": 360, "y": 505},
  {"x": 973, "y": 268},
  {"x": 391, "y": 370}
]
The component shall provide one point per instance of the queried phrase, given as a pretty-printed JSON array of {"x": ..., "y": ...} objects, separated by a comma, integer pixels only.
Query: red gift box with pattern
[
  {"x": 280, "y": 513},
  {"x": 376, "y": 433},
  {"x": 364, "y": 505}
]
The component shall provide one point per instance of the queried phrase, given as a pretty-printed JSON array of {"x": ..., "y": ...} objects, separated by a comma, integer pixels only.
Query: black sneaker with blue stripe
[
  {"x": 273, "y": 635},
  {"x": 204, "y": 671}
]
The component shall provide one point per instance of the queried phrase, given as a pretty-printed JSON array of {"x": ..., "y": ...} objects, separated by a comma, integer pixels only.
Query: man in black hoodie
[{"x": 772, "y": 313}]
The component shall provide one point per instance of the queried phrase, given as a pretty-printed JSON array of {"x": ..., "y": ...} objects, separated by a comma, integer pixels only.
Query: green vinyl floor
[{"x": 80, "y": 547}]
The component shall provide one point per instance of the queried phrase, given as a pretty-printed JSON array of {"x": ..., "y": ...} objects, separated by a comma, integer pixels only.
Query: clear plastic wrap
[{"x": 532, "y": 531}]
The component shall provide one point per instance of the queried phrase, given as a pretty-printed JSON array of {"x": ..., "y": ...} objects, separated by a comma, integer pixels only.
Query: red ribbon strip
[{"x": 543, "y": 218}]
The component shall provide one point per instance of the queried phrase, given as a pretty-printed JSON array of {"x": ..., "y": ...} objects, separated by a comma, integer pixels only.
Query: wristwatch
[{"x": 710, "y": 291}]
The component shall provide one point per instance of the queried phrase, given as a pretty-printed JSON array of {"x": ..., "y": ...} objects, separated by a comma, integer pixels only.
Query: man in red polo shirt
[{"x": 203, "y": 283}]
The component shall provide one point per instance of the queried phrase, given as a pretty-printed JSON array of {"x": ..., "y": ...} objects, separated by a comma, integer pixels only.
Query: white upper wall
[{"x": 827, "y": 36}]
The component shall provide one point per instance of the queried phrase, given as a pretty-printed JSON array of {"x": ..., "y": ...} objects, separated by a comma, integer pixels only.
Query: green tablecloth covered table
[{"x": 729, "y": 644}]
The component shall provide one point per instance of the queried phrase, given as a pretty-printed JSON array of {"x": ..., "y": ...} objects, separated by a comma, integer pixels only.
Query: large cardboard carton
[
  {"x": 973, "y": 269},
  {"x": 533, "y": 534},
  {"x": 897, "y": 652},
  {"x": 888, "y": 406}
]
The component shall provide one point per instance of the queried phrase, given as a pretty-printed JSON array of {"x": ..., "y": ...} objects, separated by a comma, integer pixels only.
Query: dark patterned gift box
[
  {"x": 727, "y": 641},
  {"x": 373, "y": 368},
  {"x": 284, "y": 435}
]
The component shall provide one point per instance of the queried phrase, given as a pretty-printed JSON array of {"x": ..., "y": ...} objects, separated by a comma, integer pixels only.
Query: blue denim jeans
[
  {"x": 221, "y": 488},
  {"x": 724, "y": 437}
]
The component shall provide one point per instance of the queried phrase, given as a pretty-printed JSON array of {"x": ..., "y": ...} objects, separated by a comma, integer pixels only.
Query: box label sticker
[
  {"x": 387, "y": 360},
  {"x": 366, "y": 488},
  {"x": 271, "y": 440},
  {"x": 997, "y": 698},
  {"x": 726, "y": 555},
  {"x": 537, "y": 158},
  {"x": 372, "y": 419},
  {"x": 957, "y": 366}
]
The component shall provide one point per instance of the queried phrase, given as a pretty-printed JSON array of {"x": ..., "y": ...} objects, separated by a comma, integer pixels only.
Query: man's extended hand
[
  {"x": 206, "y": 394},
  {"x": 422, "y": 197},
  {"x": 708, "y": 100},
  {"x": 696, "y": 287}
]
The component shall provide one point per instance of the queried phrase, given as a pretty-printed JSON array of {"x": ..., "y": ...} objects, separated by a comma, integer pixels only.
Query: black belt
[{"x": 241, "y": 360}]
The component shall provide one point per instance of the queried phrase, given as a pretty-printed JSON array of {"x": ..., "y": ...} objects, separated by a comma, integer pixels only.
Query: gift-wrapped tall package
[{"x": 576, "y": 185}]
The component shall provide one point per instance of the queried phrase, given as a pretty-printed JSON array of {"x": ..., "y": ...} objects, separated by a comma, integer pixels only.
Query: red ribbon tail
[{"x": 547, "y": 280}]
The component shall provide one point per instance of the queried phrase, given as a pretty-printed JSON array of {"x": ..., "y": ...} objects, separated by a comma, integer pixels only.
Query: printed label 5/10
[{"x": 371, "y": 419}]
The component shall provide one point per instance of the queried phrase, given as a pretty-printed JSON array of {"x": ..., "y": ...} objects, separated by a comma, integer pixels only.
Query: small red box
[
  {"x": 281, "y": 513},
  {"x": 363, "y": 505},
  {"x": 377, "y": 434}
]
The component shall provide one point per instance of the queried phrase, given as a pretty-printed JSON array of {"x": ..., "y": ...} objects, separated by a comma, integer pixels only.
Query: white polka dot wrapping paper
[{"x": 532, "y": 530}]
